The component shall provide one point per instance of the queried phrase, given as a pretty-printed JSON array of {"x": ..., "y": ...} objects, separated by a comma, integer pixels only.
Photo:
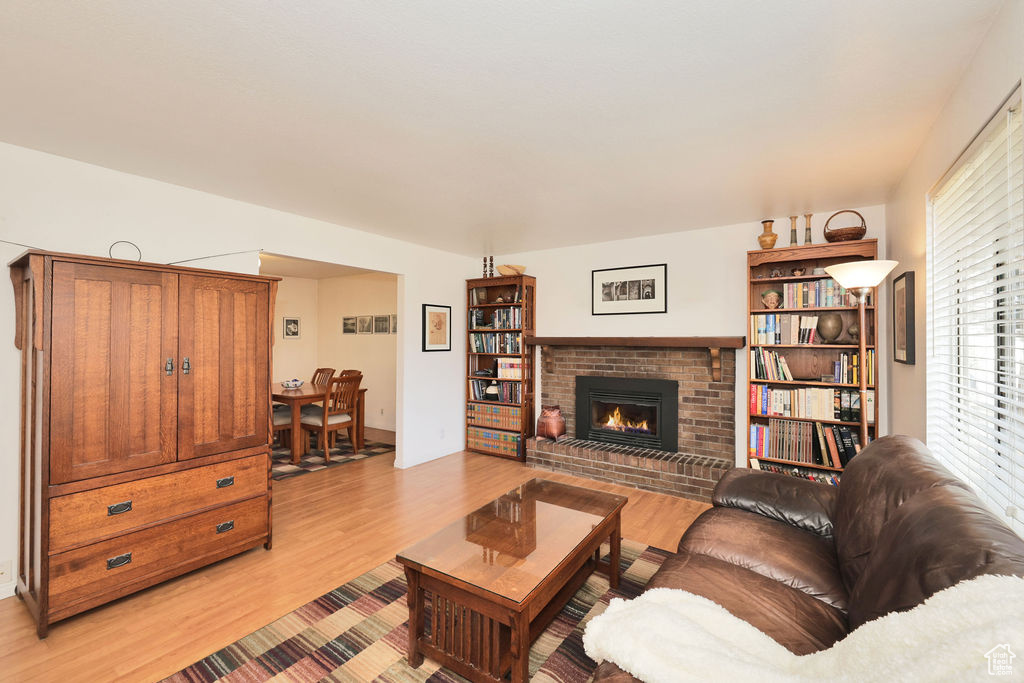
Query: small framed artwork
[
  {"x": 382, "y": 324},
  {"x": 364, "y": 324},
  {"x": 634, "y": 289},
  {"x": 394, "y": 323},
  {"x": 437, "y": 327},
  {"x": 348, "y": 325},
  {"x": 903, "y": 318},
  {"x": 290, "y": 328}
]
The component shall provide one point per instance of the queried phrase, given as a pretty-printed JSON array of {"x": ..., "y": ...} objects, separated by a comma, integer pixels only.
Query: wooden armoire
[{"x": 145, "y": 428}]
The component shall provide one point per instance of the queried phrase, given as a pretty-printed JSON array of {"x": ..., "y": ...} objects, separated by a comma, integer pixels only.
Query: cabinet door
[
  {"x": 112, "y": 405},
  {"x": 224, "y": 400}
]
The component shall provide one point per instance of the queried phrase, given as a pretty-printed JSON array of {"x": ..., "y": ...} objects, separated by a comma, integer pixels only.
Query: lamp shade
[{"x": 858, "y": 274}]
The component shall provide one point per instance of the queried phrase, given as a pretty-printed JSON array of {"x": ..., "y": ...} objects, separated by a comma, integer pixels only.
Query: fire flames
[{"x": 617, "y": 422}]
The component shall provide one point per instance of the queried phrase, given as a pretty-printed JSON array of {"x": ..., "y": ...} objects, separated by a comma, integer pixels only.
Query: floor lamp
[{"x": 860, "y": 277}]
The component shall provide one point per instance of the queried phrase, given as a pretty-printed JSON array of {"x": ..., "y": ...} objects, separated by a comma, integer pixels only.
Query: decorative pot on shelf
[
  {"x": 829, "y": 327},
  {"x": 551, "y": 423},
  {"x": 767, "y": 238},
  {"x": 491, "y": 393},
  {"x": 854, "y": 331}
]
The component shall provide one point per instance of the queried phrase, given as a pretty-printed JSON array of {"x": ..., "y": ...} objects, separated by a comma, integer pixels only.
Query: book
[
  {"x": 847, "y": 452},
  {"x": 833, "y": 448}
]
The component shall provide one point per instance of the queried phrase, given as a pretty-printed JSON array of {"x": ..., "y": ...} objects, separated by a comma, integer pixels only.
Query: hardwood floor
[{"x": 329, "y": 527}]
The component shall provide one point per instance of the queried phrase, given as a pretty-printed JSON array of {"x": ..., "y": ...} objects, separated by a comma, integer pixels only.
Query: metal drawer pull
[
  {"x": 118, "y": 508},
  {"x": 185, "y": 366},
  {"x": 225, "y": 526},
  {"x": 169, "y": 366},
  {"x": 225, "y": 482},
  {"x": 119, "y": 561}
]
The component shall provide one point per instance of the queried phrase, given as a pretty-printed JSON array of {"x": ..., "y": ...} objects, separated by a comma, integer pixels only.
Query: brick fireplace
[{"x": 704, "y": 420}]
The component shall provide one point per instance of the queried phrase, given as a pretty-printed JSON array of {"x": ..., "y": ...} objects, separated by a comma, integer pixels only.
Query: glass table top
[{"x": 511, "y": 544}]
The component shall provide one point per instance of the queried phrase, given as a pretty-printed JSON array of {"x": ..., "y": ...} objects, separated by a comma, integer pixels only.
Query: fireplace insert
[{"x": 628, "y": 411}]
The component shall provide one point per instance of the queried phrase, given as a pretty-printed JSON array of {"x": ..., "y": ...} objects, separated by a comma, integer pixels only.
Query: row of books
[
  {"x": 501, "y": 319},
  {"x": 826, "y": 293},
  {"x": 506, "y": 443},
  {"x": 495, "y": 342},
  {"x": 810, "y": 402},
  {"x": 510, "y": 368},
  {"x": 510, "y": 295},
  {"x": 493, "y": 415},
  {"x": 810, "y": 442},
  {"x": 783, "y": 328},
  {"x": 768, "y": 364},
  {"x": 830, "y": 478},
  {"x": 846, "y": 369},
  {"x": 508, "y": 392}
]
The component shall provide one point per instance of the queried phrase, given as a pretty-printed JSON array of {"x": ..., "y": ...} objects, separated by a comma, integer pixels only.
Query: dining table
[{"x": 313, "y": 393}]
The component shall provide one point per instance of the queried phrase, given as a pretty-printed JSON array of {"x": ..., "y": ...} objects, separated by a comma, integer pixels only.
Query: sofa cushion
[
  {"x": 875, "y": 484},
  {"x": 800, "y": 502},
  {"x": 798, "y": 558},
  {"x": 799, "y": 622},
  {"x": 938, "y": 538}
]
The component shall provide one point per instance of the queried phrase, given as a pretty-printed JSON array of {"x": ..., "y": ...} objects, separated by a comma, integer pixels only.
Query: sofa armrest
[{"x": 799, "y": 502}]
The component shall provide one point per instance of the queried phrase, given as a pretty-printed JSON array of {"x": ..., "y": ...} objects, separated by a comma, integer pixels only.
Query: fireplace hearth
[{"x": 628, "y": 411}]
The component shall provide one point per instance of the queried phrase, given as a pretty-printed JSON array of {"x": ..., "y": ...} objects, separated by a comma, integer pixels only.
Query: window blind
[{"x": 975, "y": 397}]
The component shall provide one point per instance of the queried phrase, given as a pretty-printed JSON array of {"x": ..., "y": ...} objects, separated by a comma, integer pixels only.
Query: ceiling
[
  {"x": 489, "y": 126},
  {"x": 289, "y": 266}
]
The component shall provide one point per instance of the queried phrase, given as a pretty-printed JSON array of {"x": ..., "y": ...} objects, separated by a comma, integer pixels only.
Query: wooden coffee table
[{"x": 483, "y": 588}]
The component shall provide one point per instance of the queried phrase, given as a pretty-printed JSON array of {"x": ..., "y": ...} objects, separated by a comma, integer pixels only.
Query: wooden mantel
[{"x": 714, "y": 345}]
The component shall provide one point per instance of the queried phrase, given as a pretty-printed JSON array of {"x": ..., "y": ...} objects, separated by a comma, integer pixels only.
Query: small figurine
[
  {"x": 771, "y": 298},
  {"x": 797, "y": 271}
]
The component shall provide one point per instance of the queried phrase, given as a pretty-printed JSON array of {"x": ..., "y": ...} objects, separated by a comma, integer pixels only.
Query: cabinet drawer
[
  {"x": 80, "y": 518},
  {"x": 118, "y": 566}
]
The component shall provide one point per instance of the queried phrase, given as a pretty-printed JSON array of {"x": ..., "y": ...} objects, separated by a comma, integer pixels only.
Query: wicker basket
[{"x": 854, "y": 232}]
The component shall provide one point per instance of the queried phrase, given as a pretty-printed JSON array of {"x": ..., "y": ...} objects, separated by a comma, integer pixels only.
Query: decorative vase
[
  {"x": 792, "y": 231},
  {"x": 767, "y": 238},
  {"x": 551, "y": 423},
  {"x": 829, "y": 327},
  {"x": 807, "y": 229},
  {"x": 491, "y": 392},
  {"x": 854, "y": 331}
]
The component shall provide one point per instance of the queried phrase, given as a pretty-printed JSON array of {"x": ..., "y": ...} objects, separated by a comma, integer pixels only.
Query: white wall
[
  {"x": 707, "y": 288},
  {"x": 988, "y": 79},
  {"x": 55, "y": 203},
  {"x": 296, "y": 358},
  {"x": 374, "y": 354}
]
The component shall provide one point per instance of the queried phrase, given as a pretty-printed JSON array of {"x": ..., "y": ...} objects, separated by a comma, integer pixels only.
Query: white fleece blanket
[{"x": 668, "y": 635}]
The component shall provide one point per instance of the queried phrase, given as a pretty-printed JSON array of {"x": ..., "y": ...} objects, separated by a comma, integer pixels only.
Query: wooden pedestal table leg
[
  {"x": 616, "y": 551},
  {"x": 297, "y": 439},
  {"x": 415, "y": 600},
  {"x": 520, "y": 647}
]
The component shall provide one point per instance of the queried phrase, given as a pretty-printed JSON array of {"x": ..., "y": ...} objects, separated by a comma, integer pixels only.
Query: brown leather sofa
[{"x": 807, "y": 563}]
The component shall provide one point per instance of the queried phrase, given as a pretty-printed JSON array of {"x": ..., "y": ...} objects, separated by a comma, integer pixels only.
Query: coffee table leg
[
  {"x": 616, "y": 550},
  {"x": 415, "y": 600},
  {"x": 520, "y": 648}
]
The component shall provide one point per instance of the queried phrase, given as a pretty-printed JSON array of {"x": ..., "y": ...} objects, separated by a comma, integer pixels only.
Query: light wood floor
[{"x": 329, "y": 527}]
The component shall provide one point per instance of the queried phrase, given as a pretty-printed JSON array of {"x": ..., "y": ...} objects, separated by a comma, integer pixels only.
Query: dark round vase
[{"x": 830, "y": 326}]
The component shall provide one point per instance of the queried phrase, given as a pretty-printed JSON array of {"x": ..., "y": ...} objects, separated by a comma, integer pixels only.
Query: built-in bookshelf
[
  {"x": 804, "y": 409},
  {"x": 499, "y": 365}
]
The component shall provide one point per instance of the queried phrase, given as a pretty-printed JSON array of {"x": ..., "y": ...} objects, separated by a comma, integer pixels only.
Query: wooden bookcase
[
  {"x": 501, "y": 316},
  {"x": 788, "y": 415}
]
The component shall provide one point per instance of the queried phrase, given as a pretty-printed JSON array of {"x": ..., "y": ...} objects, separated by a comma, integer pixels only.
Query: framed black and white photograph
[
  {"x": 290, "y": 328},
  {"x": 364, "y": 324},
  {"x": 437, "y": 327},
  {"x": 382, "y": 324},
  {"x": 903, "y": 318},
  {"x": 348, "y": 325},
  {"x": 634, "y": 289},
  {"x": 394, "y": 323}
]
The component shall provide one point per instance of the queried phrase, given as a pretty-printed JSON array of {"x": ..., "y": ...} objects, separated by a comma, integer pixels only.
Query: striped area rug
[
  {"x": 313, "y": 461},
  {"x": 357, "y": 632}
]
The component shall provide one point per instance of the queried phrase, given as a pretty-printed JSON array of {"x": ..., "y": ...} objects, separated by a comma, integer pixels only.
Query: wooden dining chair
[
  {"x": 322, "y": 375},
  {"x": 338, "y": 413},
  {"x": 282, "y": 424},
  {"x": 346, "y": 373}
]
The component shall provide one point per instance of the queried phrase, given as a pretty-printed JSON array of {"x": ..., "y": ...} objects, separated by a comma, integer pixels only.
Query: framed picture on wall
[
  {"x": 348, "y": 325},
  {"x": 382, "y": 324},
  {"x": 437, "y": 327},
  {"x": 290, "y": 328},
  {"x": 634, "y": 289},
  {"x": 365, "y": 324},
  {"x": 394, "y": 323},
  {"x": 903, "y": 318}
]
